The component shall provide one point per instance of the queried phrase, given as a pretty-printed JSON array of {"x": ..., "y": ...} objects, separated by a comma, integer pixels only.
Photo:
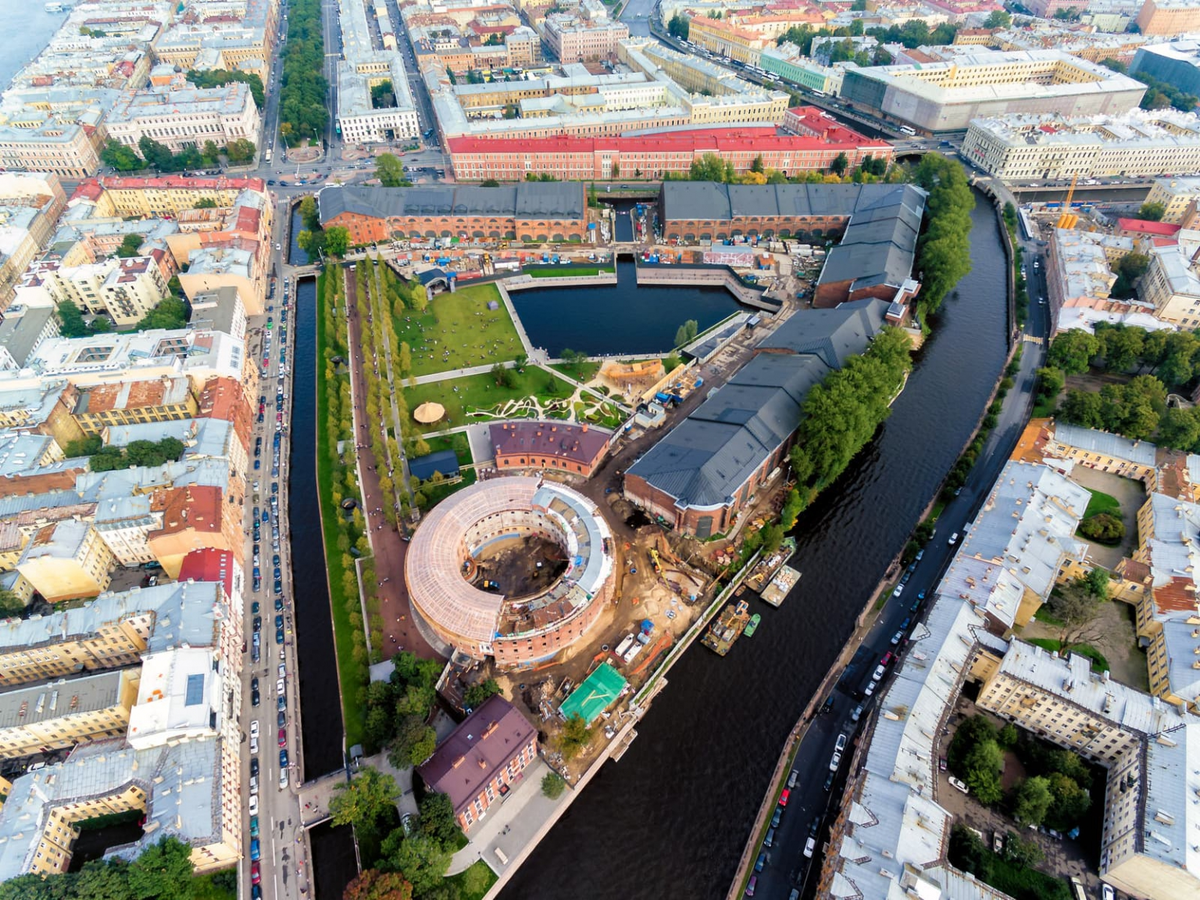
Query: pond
[{"x": 617, "y": 318}]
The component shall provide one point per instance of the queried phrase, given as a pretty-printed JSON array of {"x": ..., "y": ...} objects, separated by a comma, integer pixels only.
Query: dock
[
  {"x": 781, "y": 585},
  {"x": 762, "y": 574}
]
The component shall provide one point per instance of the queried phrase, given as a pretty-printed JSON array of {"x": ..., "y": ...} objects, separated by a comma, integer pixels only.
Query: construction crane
[{"x": 1068, "y": 219}]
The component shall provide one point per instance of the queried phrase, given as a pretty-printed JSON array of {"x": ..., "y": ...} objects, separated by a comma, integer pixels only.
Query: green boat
[{"x": 753, "y": 626}]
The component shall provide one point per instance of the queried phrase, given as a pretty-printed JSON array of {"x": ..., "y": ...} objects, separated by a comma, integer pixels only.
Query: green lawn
[
  {"x": 1102, "y": 503},
  {"x": 455, "y": 320},
  {"x": 1099, "y": 660},
  {"x": 475, "y": 882},
  {"x": 566, "y": 271},
  {"x": 582, "y": 372},
  {"x": 481, "y": 392},
  {"x": 343, "y": 638}
]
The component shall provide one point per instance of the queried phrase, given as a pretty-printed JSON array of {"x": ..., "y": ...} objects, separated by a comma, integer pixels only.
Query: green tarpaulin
[{"x": 595, "y": 695}]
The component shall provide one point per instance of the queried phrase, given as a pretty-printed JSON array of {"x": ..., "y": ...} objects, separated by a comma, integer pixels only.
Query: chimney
[{"x": 487, "y": 732}]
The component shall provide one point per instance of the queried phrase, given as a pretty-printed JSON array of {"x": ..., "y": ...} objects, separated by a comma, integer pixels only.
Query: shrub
[{"x": 1104, "y": 528}]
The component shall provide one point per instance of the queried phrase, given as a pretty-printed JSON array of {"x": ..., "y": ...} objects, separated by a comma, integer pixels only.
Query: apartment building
[
  {"x": 39, "y": 142},
  {"x": 480, "y": 761},
  {"x": 130, "y": 402},
  {"x": 167, "y": 195},
  {"x": 67, "y": 560},
  {"x": 1169, "y": 17},
  {"x": 670, "y": 153},
  {"x": 44, "y": 407},
  {"x": 1179, "y": 198},
  {"x": 947, "y": 96},
  {"x": 574, "y": 39},
  {"x": 1092, "y": 46},
  {"x": 788, "y": 62},
  {"x": 1172, "y": 287},
  {"x": 65, "y": 712},
  {"x": 729, "y": 39},
  {"x": 22, "y": 331},
  {"x": 124, "y": 289},
  {"x": 1137, "y": 143},
  {"x": 1079, "y": 278},
  {"x": 179, "y": 117},
  {"x": 363, "y": 67}
]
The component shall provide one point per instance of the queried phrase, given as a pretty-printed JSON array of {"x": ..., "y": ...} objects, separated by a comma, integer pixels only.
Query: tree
[
  {"x": 383, "y": 95},
  {"x": 120, "y": 157},
  {"x": 10, "y": 604},
  {"x": 686, "y": 332},
  {"x": 553, "y": 785},
  {"x": 70, "y": 320},
  {"x": 757, "y": 165},
  {"x": 130, "y": 245},
  {"x": 437, "y": 821},
  {"x": 364, "y": 799},
  {"x": 220, "y": 77},
  {"x": 972, "y": 731},
  {"x": 309, "y": 214},
  {"x": 1082, "y": 408},
  {"x": 839, "y": 165},
  {"x": 1152, "y": 212},
  {"x": 1050, "y": 381},
  {"x": 163, "y": 870},
  {"x": 422, "y": 862},
  {"x": 1075, "y": 607},
  {"x": 943, "y": 251},
  {"x": 1072, "y": 351},
  {"x": 170, "y": 313},
  {"x": 575, "y": 736},
  {"x": 981, "y": 771},
  {"x": 1071, "y": 802},
  {"x": 1179, "y": 428},
  {"x": 337, "y": 240},
  {"x": 489, "y": 182},
  {"x": 373, "y": 884},
  {"x": 414, "y": 743},
  {"x": 390, "y": 171},
  {"x": 998, "y": 19},
  {"x": 476, "y": 694},
  {"x": 1104, "y": 528},
  {"x": 1032, "y": 801},
  {"x": 405, "y": 358},
  {"x": 1121, "y": 346},
  {"x": 679, "y": 26},
  {"x": 206, "y": 203},
  {"x": 1096, "y": 583},
  {"x": 240, "y": 151},
  {"x": 1129, "y": 269}
]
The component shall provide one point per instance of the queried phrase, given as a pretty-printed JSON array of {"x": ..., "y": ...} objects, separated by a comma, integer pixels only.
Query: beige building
[
  {"x": 1169, "y": 17},
  {"x": 179, "y": 117},
  {"x": 67, "y": 712},
  {"x": 123, "y": 289},
  {"x": 67, "y": 560},
  {"x": 577, "y": 40},
  {"x": 1178, "y": 197},
  {"x": 1172, "y": 287},
  {"x": 66, "y": 149}
]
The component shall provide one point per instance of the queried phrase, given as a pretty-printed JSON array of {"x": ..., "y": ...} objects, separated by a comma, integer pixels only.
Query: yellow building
[
  {"x": 1177, "y": 196},
  {"x": 65, "y": 713},
  {"x": 132, "y": 402},
  {"x": 728, "y": 39},
  {"x": 67, "y": 560}
]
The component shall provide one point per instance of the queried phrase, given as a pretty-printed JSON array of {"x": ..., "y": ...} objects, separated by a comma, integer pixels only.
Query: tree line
[
  {"x": 1160, "y": 362},
  {"x": 109, "y": 458},
  {"x": 212, "y": 78},
  {"x": 302, "y": 109},
  {"x": 944, "y": 248},
  {"x": 151, "y": 154}
]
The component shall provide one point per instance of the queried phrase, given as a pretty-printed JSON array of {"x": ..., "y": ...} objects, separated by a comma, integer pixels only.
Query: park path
[{"x": 399, "y": 630}]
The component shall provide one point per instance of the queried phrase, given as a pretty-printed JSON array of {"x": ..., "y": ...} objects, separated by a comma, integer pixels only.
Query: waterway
[
  {"x": 670, "y": 819},
  {"x": 29, "y": 28},
  {"x": 332, "y": 848},
  {"x": 617, "y": 318}
]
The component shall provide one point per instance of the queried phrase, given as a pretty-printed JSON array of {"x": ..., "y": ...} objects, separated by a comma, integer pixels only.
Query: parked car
[
  {"x": 810, "y": 847},
  {"x": 255, "y": 850},
  {"x": 761, "y": 862},
  {"x": 897, "y": 638},
  {"x": 857, "y": 714},
  {"x": 751, "y": 886},
  {"x": 783, "y": 798},
  {"x": 959, "y": 785}
]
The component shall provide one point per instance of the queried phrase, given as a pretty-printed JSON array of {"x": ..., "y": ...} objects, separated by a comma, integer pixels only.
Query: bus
[
  {"x": 904, "y": 129},
  {"x": 267, "y": 156},
  {"x": 1077, "y": 891},
  {"x": 1023, "y": 221}
]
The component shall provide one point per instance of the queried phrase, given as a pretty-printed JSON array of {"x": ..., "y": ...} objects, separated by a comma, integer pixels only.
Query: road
[{"x": 812, "y": 802}]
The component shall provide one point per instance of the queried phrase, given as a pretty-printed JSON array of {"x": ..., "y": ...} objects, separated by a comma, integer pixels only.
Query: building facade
[
  {"x": 180, "y": 117},
  {"x": 577, "y": 449}
]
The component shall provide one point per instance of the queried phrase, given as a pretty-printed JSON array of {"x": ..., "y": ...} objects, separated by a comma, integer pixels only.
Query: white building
[
  {"x": 1137, "y": 143},
  {"x": 180, "y": 117},
  {"x": 124, "y": 289},
  {"x": 362, "y": 68}
]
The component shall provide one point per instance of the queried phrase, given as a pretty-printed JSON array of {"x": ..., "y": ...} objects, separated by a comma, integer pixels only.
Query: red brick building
[
  {"x": 547, "y": 211},
  {"x": 819, "y": 142},
  {"x": 549, "y": 445},
  {"x": 481, "y": 760}
]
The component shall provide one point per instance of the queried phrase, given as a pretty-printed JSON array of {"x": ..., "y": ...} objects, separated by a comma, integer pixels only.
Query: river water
[
  {"x": 620, "y": 318},
  {"x": 28, "y": 28},
  {"x": 670, "y": 819}
]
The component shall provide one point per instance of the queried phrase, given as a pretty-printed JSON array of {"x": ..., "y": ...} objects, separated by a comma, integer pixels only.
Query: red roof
[
  {"x": 826, "y": 126},
  {"x": 729, "y": 140},
  {"x": 1144, "y": 226},
  {"x": 209, "y": 564}
]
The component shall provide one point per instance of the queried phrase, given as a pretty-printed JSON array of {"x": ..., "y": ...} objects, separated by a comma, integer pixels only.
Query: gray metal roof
[
  {"x": 880, "y": 242},
  {"x": 521, "y": 201},
  {"x": 1094, "y": 441},
  {"x": 705, "y": 460},
  {"x": 709, "y": 200}
]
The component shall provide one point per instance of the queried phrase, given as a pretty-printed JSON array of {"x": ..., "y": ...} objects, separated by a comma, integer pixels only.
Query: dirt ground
[
  {"x": 1130, "y": 494},
  {"x": 1117, "y": 641}
]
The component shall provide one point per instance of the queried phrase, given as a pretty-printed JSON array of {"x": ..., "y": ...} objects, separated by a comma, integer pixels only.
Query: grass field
[
  {"x": 475, "y": 882},
  {"x": 1102, "y": 503},
  {"x": 582, "y": 372},
  {"x": 481, "y": 392},
  {"x": 343, "y": 639},
  {"x": 565, "y": 272},
  {"x": 458, "y": 330}
]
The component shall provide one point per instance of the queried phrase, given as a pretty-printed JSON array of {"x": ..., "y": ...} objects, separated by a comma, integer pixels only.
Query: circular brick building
[{"x": 486, "y": 527}]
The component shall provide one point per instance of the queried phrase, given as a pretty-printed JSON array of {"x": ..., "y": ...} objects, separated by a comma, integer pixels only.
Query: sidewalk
[{"x": 513, "y": 826}]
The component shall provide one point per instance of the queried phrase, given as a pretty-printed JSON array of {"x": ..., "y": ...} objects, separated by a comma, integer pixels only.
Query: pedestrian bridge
[{"x": 315, "y": 796}]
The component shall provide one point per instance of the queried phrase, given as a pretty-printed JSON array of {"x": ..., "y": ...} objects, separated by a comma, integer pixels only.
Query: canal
[
  {"x": 321, "y": 709},
  {"x": 670, "y": 819},
  {"x": 617, "y": 318}
]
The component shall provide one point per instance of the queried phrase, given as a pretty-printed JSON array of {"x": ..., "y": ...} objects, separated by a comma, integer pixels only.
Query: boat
[
  {"x": 753, "y": 626},
  {"x": 728, "y": 627},
  {"x": 762, "y": 573},
  {"x": 57, "y": 7},
  {"x": 781, "y": 585}
]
